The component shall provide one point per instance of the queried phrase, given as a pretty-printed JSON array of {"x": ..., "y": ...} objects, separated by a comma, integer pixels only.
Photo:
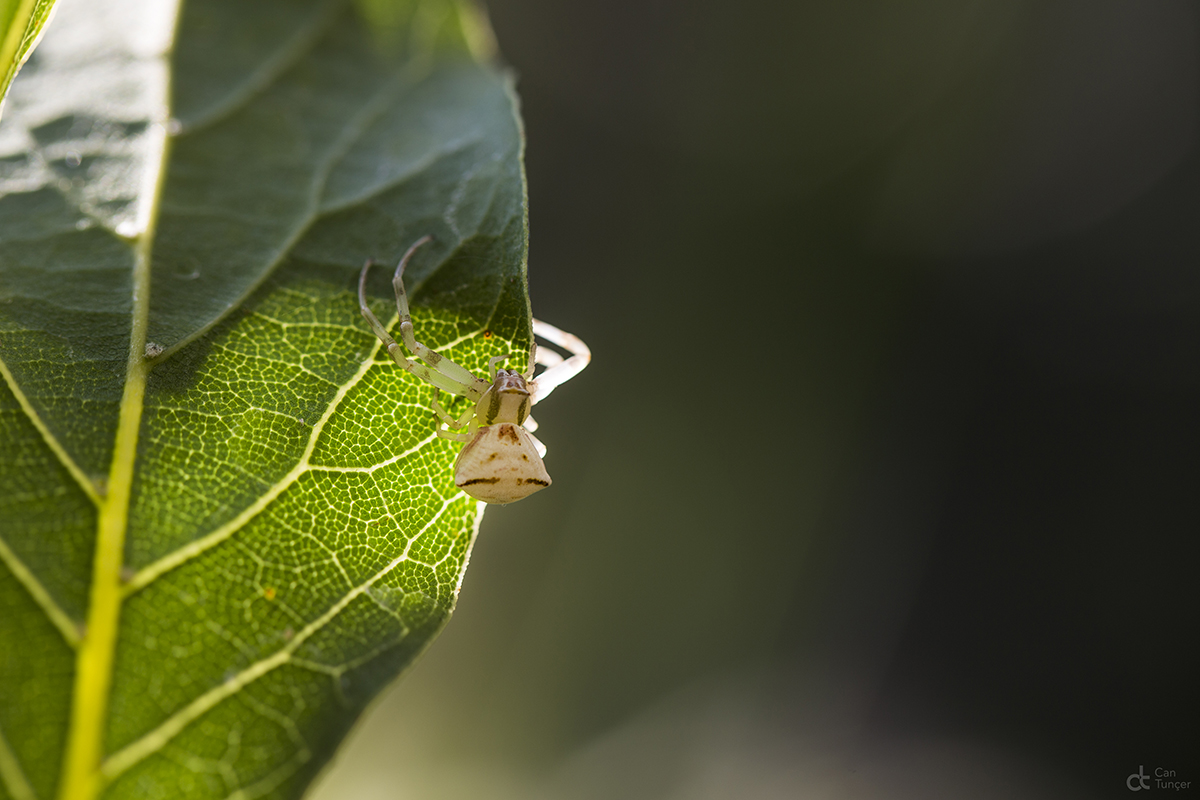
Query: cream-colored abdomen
[{"x": 500, "y": 465}]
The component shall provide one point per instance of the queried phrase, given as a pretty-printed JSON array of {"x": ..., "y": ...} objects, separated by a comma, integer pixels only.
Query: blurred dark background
[{"x": 884, "y": 480}]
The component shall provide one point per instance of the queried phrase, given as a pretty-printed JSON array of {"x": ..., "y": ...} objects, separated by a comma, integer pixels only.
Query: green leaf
[
  {"x": 22, "y": 23},
  {"x": 225, "y": 519}
]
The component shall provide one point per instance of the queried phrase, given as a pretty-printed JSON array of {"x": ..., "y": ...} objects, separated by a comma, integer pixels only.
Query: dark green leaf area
[
  {"x": 76, "y": 138},
  {"x": 445, "y": 163},
  {"x": 256, "y": 41},
  {"x": 47, "y": 523},
  {"x": 328, "y": 126},
  {"x": 64, "y": 320},
  {"x": 454, "y": 127},
  {"x": 244, "y": 188},
  {"x": 207, "y": 761},
  {"x": 36, "y": 671}
]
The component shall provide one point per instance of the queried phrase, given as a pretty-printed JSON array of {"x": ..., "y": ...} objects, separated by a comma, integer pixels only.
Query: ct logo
[{"x": 1141, "y": 777}]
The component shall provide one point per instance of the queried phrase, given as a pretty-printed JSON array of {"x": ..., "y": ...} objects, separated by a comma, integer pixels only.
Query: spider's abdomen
[{"x": 500, "y": 465}]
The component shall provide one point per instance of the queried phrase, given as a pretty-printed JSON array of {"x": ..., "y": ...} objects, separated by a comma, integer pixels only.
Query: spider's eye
[{"x": 510, "y": 381}]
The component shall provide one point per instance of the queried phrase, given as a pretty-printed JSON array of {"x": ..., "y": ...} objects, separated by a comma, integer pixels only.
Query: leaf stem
[{"x": 94, "y": 663}]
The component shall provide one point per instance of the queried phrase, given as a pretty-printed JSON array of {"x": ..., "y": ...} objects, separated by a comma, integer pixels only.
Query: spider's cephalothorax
[
  {"x": 506, "y": 400},
  {"x": 502, "y": 461}
]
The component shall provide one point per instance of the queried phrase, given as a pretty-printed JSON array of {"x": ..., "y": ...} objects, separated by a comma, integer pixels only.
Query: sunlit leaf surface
[{"x": 225, "y": 519}]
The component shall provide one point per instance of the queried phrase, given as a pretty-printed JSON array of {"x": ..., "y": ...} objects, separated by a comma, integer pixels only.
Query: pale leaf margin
[{"x": 25, "y": 22}]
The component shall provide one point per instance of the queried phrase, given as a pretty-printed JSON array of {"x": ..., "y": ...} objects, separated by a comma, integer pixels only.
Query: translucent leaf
[
  {"x": 22, "y": 23},
  {"x": 225, "y": 519}
]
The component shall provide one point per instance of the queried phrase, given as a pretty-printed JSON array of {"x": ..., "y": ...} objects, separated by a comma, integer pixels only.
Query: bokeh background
[{"x": 885, "y": 479}]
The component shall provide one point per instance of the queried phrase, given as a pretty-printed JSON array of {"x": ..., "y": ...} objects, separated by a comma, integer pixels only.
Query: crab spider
[{"x": 501, "y": 461}]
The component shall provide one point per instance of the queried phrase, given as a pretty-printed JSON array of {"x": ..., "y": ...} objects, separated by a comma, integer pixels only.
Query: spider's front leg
[
  {"x": 442, "y": 373},
  {"x": 559, "y": 370},
  {"x": 420, "y": 370},
  {"x": 430, "y": 356}
]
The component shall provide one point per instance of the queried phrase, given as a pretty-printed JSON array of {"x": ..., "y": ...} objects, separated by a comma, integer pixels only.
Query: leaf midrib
[{"x": 81, "y": 779}]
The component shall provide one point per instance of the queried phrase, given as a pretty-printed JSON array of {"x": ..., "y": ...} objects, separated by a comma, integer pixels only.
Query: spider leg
[
  {"x": 562, "y": 370},
  {"x": 493, "y": 362},
  {"x": 532, "y": 362},
  {"x": 452, "y": 422},
  {"x": 543, "y": 356},
  {"x": 438, "y": 379},
  {"x": 430, "y": 356},
  {"x": 541, "y": 448},
  {"x": 455, "y": 437},
  {"x": 372, "y": 320},
  {"x": 530, "y": 424},
  {"x": 548, "y": 358}
]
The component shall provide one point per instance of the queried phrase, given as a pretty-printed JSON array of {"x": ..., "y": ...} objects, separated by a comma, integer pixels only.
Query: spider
[{"x": 502, "y": 460}]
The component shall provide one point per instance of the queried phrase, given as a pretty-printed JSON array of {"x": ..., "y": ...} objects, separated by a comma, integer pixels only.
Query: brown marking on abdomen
[
  {"x": 507, "y": 432},
  {"x": 537, "y": 481},
  {"x": 474, "y": 481}
]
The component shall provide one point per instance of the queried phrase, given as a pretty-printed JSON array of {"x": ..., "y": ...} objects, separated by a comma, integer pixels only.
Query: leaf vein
[
  {"x": 424, "y": 163},
  {"x": 11, "y": 776},
  {"x": 68, "y": 627},
  {"x": 169, "y": 728},
  {"x": 277, "y": 776},
  {"x": 194, "y": 548},
  {"x": 89, "y": 488}
]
